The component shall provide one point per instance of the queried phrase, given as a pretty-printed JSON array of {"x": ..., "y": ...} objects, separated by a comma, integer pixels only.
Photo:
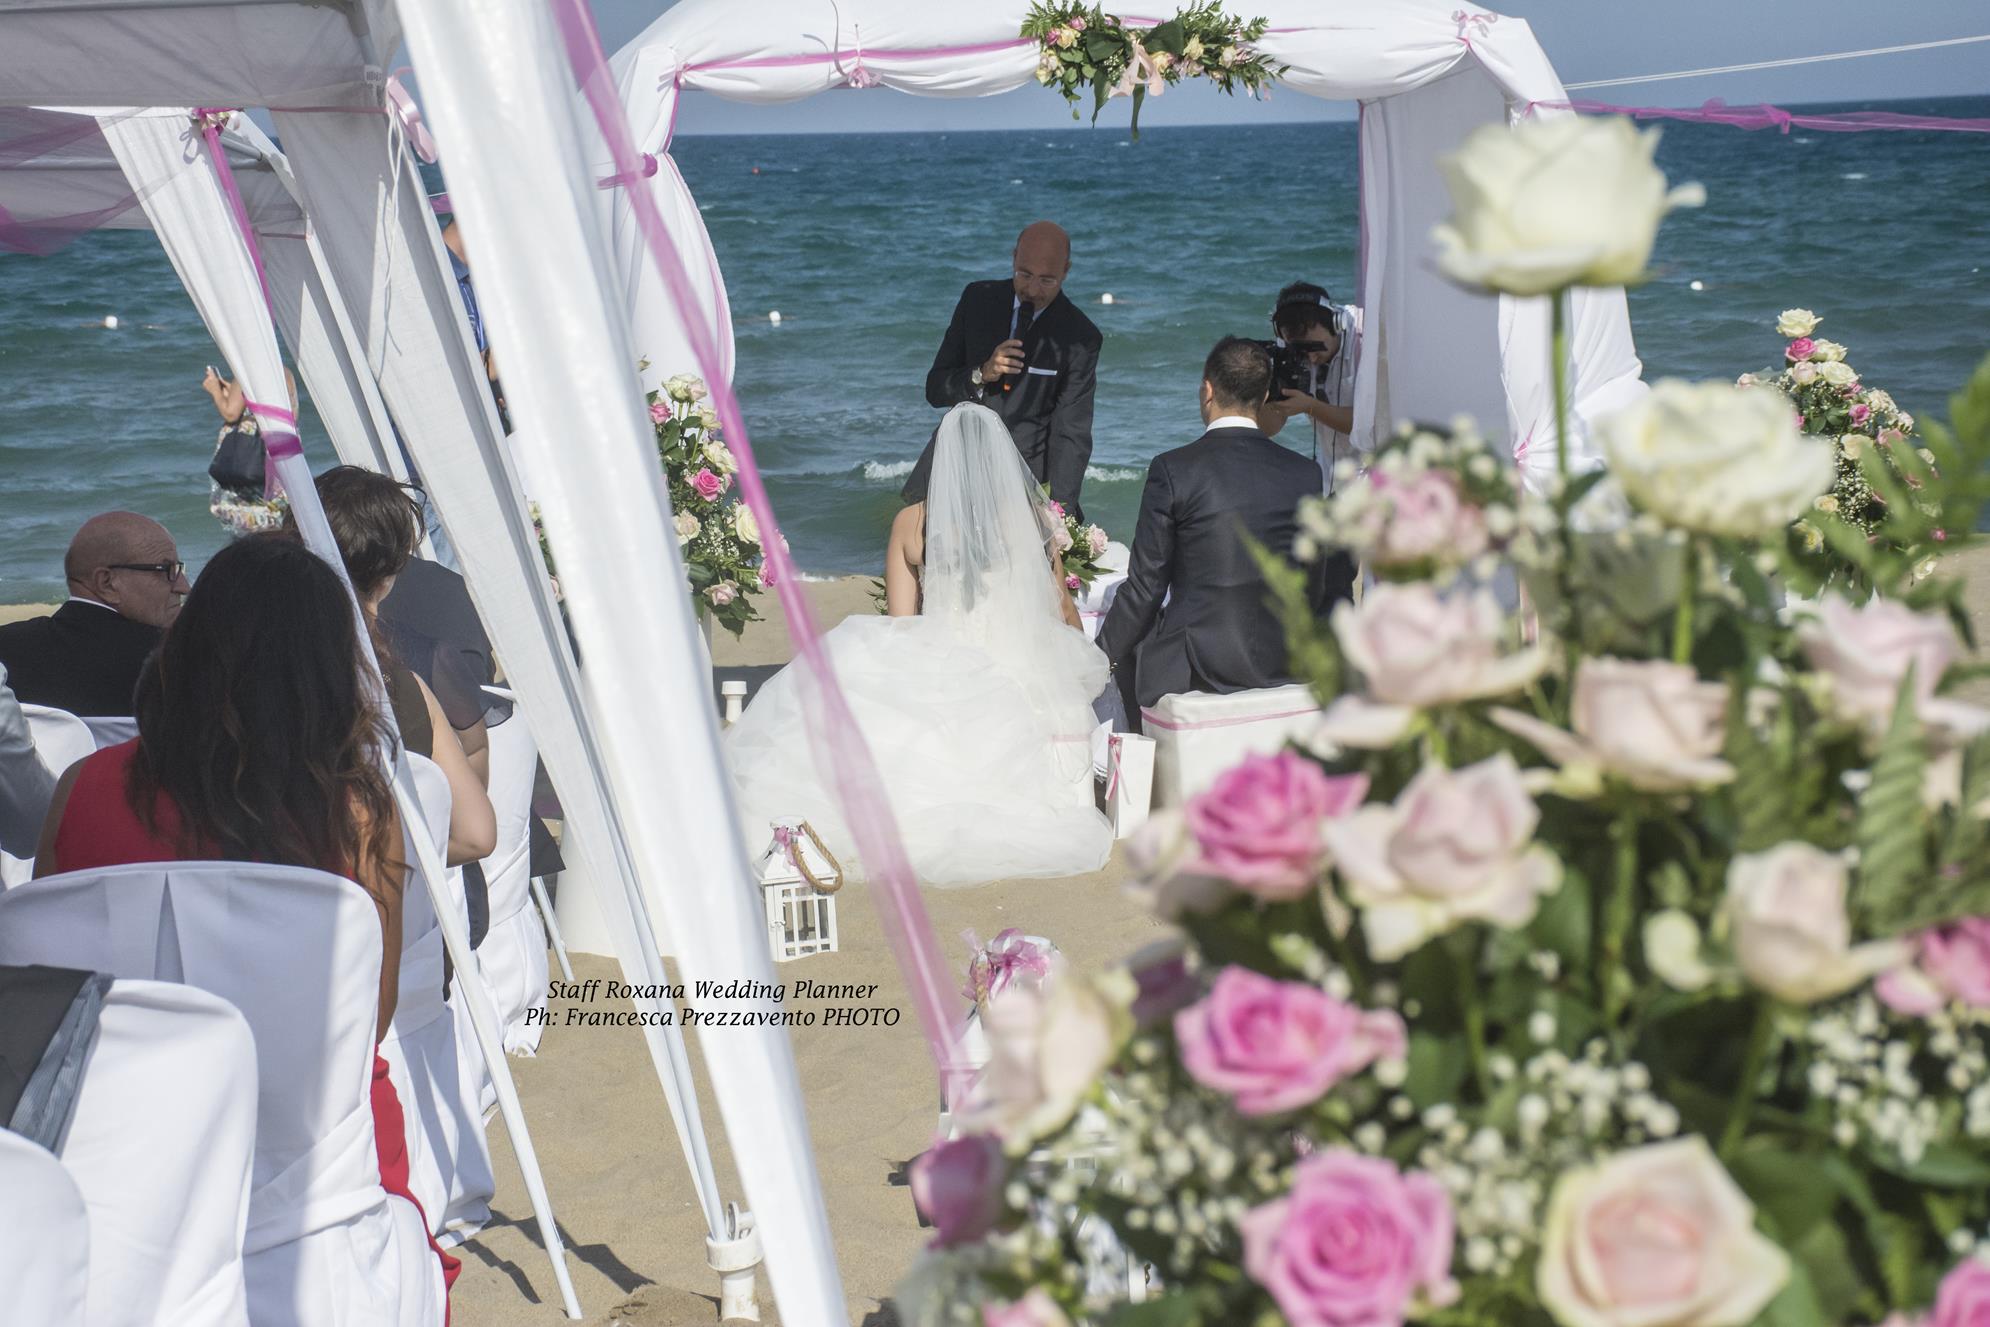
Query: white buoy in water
[
  {"x": 1696, "y": 285},
  {"x": 1106, "y": 298},
  {"x": 110, "y": 321},
  {"x": 774, "y": 316}
]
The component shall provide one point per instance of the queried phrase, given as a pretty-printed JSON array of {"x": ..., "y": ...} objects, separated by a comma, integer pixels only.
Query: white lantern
[{"x": 799, "y": 878}]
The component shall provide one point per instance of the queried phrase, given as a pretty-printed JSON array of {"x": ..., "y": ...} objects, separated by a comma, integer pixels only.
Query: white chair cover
[
  {"x": 44, "y": 1236},
  {"x": 1198, "y": 735},
  {"x": 513, "y": 955},
  {"x": 449, "y": 1163},
  {"x": 1095, "y": 600},
  {"x": 109, "y": 730},
  {"x": 298, "y": 952},
  {"x": 61, "y": 739},
  {"x": 161, "y": 1146}
]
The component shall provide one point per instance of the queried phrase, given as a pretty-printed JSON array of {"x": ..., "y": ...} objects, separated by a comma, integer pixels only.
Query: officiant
[{"x": 1019, "y": 347}]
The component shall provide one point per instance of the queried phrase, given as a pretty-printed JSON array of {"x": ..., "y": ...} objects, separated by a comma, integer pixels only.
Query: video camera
[
  {"x": 1301, "y": 305},
  {"x": 1289, "y": 366}
]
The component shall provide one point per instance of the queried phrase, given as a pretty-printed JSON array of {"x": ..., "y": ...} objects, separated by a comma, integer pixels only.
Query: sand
[{"x": 617, "y": 1178}]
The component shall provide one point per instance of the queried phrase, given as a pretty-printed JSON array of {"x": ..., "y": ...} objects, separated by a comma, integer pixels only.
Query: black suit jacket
[
  {"x": 1217, "y": 632},
  {"x": 82, "y": 658},
  {"x": 1049, "y": 405}
]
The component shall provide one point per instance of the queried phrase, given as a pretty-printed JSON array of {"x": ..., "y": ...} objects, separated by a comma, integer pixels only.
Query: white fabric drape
[
  {"x": 503, "y": 112},
  {"x": 321, "y": 342}
]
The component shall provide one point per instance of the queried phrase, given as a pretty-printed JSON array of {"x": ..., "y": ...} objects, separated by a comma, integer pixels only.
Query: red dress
[{"x": 99, "y": 828}]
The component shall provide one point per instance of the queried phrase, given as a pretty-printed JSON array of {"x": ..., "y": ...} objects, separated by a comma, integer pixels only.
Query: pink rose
[
  {"x": 1096, "y": 540},
  {"x": 1056, "y": 509},
  {"x": 1652, "y": 723},
  {"x": 1866, "y": 651},
  {"x": 1799, "y": 349},
  {"x": 706, "y": 484},
  {"x": 1279, "y": 1045},
  {"x": 1077, "y": 23},
  {"x": 1964, "y": 1297},
  {"x": 722, "y": 594},
  {"x": 1036, "y": 1309},
  {"x": 1426, "y": 519},
  {"x": 766, "y": 575},
  {"x": 1951, "y": 964},
  {"x": 1889, "y": 436},
  {"x": 1259, "y": 824},
  {"x": 1804, "y": 374},
  {"x": 958, "y": 1186},
  {"x": 1356, "y": 1243},
  {"x": 1861, "y": 413},
  {"x": 658, "y": 412},
  {"x": 1072, "y": 582}
]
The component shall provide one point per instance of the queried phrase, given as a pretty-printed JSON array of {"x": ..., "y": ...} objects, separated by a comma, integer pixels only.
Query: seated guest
[
  {"x": 255, "y": 710},
  {"x": 1217, "y": 632},
  {"x": 377, "y": 526},
  {"x": 126, "y": 581},
  {"x": 25, "y": 783}
]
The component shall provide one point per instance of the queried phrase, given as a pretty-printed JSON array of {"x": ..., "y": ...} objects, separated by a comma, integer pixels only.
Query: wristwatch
[{"x": 976, "y": 378}]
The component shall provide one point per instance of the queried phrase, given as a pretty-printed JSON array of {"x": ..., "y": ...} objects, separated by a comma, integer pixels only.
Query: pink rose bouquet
[
  {"x": 718, "y": 536},
  {"x": 1276, "y": 1046}
]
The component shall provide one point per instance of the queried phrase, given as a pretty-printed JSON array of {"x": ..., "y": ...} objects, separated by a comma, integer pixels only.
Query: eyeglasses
[
  {"x": 172, "y": 571},
  {"x": 1039, "y": 282}
]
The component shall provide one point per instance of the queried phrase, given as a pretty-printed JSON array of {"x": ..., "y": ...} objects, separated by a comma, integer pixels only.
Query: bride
[{"x": 974, "y": 695}]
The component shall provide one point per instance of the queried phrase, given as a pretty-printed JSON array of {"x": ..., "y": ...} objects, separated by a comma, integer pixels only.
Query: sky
[{"x": 1586, "y": 39}]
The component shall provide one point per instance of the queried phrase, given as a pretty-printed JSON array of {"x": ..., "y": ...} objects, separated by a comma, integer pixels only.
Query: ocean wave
[{"x": 881, "y": 472}]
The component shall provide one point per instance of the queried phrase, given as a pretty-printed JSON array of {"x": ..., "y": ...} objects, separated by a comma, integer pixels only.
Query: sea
[{"x": 862, "y": 242}]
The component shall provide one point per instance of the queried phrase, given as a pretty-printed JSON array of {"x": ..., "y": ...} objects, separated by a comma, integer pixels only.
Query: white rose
[
  {"x": 1415, "y": 649},
  {"x": 1837, "y": 372},
  {"x": 719, "y": 456},
  {"x": 707, "y": 417},
  {"x": 1192, "y": 49},
  {"x": 1556, "y": 202},
  {"x": 1672, "y": 950},
  {"x": 687, "y": 528},
  {"x": 1456, "y": 846},
  {"x": 1803, "y": 374},
  {"x": 1657, "y": 1236},
  {"x": 1714, "y": 458},
  {"x": 684, "y": 387},
  {"x": 1046, "y": 1050},
  {"x": 1826, "y": 351},
  {"x": 1654, "y": 724},
  {"x": 1786, "y": 916},
  {"x": 1796, "y": 322},
  {"x": 1866, "y": 651},
  {"x": 745, "y": 524}
]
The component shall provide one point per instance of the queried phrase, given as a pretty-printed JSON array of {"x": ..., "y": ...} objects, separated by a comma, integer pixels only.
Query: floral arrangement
[
  {"x": 716, "y": 532},
  {"x": 1080, "y": 546},
  {"x": 1832, "y": 402},
  {"x": 1082, "y": 47},
  {"x": 1628, "y": 968}
]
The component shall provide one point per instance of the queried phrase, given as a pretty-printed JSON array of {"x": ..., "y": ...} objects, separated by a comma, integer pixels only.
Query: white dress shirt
[{"x": 26, "y": 786}]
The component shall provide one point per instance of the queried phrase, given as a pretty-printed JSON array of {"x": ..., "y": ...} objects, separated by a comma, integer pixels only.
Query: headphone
[{"x": 1324, "y": 300}]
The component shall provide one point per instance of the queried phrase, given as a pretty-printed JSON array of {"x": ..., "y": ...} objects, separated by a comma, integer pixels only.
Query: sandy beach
[{"x": 611, "y": 1159}]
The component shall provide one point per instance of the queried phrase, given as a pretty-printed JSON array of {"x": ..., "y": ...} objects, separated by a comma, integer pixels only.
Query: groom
[
  {"x": 1023, "y": 350},
  {"x": 1217, "y": 632}
]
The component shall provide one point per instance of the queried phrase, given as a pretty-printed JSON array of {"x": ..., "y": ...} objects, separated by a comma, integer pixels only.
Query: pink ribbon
[
  {"x": 1113, "y": 745},
  {"x": 836, "y": 57},
  {"x": 1467, "y": 20},
  {"x": 1765, "y": 116},
  {"x": 1152, "y": 720},
  {"x": 617, "y": 181},
  {"x": 403, "y": 108},
  {"x": 997, "y": 964},
  {"x": 277, "y": 442},
  {"x": 838, "y": 742}
]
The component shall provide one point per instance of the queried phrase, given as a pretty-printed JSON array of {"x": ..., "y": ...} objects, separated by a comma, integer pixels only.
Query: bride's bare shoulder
[{"x": 908, "y": 532}]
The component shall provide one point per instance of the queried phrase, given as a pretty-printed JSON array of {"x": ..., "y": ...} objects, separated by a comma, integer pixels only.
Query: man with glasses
[
  {"x": 126, "y": 581},
  {"x": 1022, "y": 349}
]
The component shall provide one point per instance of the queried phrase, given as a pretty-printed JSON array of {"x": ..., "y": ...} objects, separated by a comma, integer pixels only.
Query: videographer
[{"x": 1316, "y": 347}]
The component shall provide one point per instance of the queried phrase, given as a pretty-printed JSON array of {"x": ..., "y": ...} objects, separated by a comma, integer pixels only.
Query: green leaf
[
  {"x": 1792, "y": 1191},
  {"x": 1797, "y": 1305},
  {"x": 1760, "y": 792},
  {"x": 1437, "y": 1068},
  {"x": 1101, "y": 47},
  {"x": 1168, "y": 37},
  {"x": 1182, "y": 1308},
  {"x": 1893, "y": 860},
  {"x": 1942, "y": 1166}
]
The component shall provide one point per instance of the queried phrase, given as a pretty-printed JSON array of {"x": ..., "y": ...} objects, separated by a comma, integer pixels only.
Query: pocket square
[{"x": 1048, "y": 373}]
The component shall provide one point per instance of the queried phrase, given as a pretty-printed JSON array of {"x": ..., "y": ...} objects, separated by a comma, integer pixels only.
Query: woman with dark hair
[
  {"x": 261, "y": 738},
  {"x": 377, "y": 524}
]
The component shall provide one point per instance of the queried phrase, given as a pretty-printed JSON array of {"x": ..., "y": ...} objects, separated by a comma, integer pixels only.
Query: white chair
[
  {"x": 61, "y": 739},
  {"x": 512, "y": 957},
  {"x": 161, "y": 1145},
  {"x": 1095, "y": 600},
  {"x": 1198, "y": 735},
  {"x": 449, "y": 1162},
  {"x": 109, "y": 730},
  {"x": 44, "y": 1237},
  {"x": 298, "y": 953}
]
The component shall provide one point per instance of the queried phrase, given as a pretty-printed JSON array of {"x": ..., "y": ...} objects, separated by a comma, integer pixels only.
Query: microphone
[{"x": 1024, "y": 317}]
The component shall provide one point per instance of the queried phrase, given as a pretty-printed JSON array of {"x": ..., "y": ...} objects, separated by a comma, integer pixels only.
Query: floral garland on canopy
[
  {"x": 1631, "y": 973},
  {"x": 1082, "y": 46},
  {"x": 1832, "y": 401}
]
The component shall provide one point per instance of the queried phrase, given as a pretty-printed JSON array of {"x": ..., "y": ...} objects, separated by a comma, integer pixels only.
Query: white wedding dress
[{"x": 977, "y": 712}]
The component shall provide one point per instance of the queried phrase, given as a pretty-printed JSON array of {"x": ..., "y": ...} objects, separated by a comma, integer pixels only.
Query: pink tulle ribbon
[
  {"x": 1765, "y": 116},
  {"x": 840, "y": 751},
  {"x": 402, "y": 107},
  {"x": 999, "y": 963}
]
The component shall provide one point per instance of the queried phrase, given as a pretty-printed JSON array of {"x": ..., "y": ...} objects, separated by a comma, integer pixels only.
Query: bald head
[
  {"x": 1043, "y": 260},
  {"x": 120, "y": 559}
]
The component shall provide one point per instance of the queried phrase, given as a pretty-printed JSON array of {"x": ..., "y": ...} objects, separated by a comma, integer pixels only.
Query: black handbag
[{"x": 239, "y": 458}]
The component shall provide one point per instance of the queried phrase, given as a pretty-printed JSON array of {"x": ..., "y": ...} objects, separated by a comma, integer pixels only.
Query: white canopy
[{"x": 1425, "y": 72}]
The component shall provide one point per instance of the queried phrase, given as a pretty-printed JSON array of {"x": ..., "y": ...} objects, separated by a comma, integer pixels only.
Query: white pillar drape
[{"x": 503, "y": 110}]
